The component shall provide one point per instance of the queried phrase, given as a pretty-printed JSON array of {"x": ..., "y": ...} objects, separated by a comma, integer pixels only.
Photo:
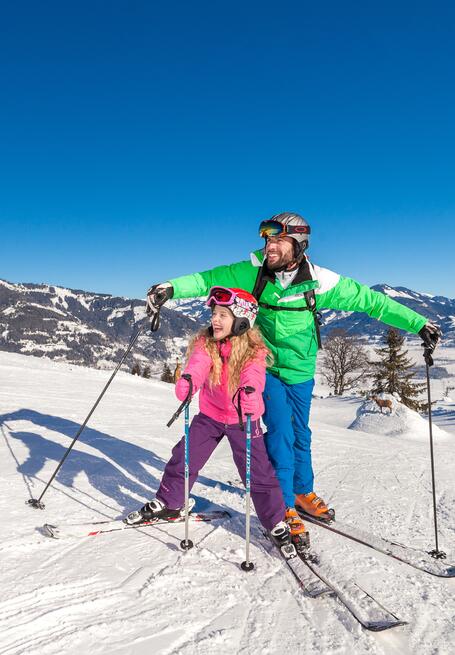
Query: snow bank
[{"x": 399, "y": 422}]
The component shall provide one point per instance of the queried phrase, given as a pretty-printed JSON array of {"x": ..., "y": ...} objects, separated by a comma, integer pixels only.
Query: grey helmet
[{"x": 301, "y": 237}]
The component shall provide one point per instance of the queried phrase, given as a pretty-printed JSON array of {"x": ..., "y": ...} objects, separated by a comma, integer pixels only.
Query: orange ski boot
[
  {"x": 299, "y": 536},
  {"x": 314, "y": 506}
]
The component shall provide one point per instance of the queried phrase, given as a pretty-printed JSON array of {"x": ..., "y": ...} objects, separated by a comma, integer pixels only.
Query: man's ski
[
  {"x": 318, "y": 579},
  {"x": 100, "y": 527},
  {"x": 419, "y": 559}
]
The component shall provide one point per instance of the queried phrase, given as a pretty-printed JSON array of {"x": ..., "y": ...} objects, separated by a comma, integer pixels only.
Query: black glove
[
  {"x": 430, "y": 335},
  {"x": 157, "y": 296}
]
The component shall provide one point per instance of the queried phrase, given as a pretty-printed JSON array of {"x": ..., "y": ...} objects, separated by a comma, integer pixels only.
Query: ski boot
[
  {"x": 281, "y": 537},
  {"x": 299, "y": 536},
  {"x": 154, "y": 511},
  {"x": 314, "y": 506}
]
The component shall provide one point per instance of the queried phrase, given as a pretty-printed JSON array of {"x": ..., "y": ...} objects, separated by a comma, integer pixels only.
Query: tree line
[{"x": 167, "y": 374}]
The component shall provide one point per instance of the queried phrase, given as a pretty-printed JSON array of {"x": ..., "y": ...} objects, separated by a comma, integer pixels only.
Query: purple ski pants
[{"x": 205, "y": 435}]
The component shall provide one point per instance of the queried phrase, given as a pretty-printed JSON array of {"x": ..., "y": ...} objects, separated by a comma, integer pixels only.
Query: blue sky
[{"x": 143, "y": 140}]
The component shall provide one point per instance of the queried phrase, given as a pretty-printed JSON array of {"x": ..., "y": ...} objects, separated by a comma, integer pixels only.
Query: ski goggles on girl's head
[
  {"x": 273, "y": 228},
  {"x": 220, "y": 296}
]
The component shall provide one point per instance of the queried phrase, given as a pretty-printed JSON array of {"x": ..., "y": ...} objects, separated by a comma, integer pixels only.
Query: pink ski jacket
[{"x": 216, "y": 401}]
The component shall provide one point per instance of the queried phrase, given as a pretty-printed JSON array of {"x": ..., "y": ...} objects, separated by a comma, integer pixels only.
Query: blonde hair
[{"x": 244, "y": 348}]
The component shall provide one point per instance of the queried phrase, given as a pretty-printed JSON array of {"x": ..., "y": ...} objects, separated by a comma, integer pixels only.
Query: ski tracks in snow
[{"x": 53, "y": 617}]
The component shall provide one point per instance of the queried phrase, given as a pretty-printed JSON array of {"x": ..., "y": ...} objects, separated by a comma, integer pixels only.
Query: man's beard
[{"x": 282, "y": 263}]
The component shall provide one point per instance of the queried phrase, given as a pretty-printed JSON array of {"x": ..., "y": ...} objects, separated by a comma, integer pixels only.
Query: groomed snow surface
[{"x": 136, "y": 592}]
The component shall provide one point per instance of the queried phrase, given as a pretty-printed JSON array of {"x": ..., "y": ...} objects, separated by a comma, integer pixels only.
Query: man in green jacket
[{"x": 290, "y": 291}]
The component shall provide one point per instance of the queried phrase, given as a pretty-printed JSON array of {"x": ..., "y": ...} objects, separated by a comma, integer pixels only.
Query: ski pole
[
  {"x": 246, "y": 565},
  {"x": 436, "y": 553},
  {"x": 186, "y": 543},
  {"x": 184, "y": 404},
  {"x": 36, "y": 502}
]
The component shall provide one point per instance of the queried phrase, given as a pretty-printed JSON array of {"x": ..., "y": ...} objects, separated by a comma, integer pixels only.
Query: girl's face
[{"x": 222, "y": 322}]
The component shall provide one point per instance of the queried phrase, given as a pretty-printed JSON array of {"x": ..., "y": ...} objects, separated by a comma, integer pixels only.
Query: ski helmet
[
  {"x": 242, "y": 304},
  {"x": 288, "y": 224}
]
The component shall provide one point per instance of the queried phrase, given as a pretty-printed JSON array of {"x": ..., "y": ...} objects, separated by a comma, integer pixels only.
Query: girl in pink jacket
[{"x": 222, "y": 358}]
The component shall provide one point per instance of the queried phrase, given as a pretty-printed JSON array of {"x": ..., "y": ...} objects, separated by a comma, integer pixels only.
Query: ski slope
[{"x": 136, "y": 592}]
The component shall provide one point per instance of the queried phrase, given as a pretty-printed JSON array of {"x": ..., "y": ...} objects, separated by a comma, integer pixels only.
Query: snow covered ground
[{"x": 135, "y": 592}]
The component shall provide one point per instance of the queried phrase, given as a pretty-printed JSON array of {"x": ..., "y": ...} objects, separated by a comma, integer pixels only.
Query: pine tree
[
  {"x": 393, "y": 374},
  {"x": 147, "y": 373},
  {"x": 166, "y": 375}
]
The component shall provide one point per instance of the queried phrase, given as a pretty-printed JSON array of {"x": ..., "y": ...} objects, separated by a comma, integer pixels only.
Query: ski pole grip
[
  {"x": 189, "y": 379},
  {"x": 186, "y": 402}
]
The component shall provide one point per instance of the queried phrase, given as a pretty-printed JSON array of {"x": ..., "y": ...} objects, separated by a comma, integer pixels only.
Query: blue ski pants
[{"x": 288, "y": 436}]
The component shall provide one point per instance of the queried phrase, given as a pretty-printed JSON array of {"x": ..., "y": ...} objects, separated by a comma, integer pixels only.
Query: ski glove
[
  {"x": 157, "y": 296},
  {"x": 430, "y": 335},
  {"x": 182, "y": 388}
]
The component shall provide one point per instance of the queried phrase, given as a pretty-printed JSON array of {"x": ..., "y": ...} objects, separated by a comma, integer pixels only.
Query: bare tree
[{"x": 344, "y": 363}]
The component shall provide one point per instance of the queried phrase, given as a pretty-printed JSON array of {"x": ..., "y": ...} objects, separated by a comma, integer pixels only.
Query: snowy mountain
[
  {"x": 193, "y": 307},
  {"x": 93, "y": 329},
  {"x": 438, "y": 309},
  {"x": 86, "y": 328}
]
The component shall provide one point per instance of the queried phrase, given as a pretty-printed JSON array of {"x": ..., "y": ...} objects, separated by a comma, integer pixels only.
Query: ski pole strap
[
  {"x": 427, "y": 356},
  {"x": 155, "y": 322},
  {"x": 237, "y": 402},
  {"x": 186, "y": 402}
]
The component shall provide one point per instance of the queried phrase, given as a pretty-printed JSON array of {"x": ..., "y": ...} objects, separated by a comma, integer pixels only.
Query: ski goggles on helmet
[
  {"x": 241, "y": 303},
  {"x": 273, "y": 228},
  {"x": 221, "y": 296}
]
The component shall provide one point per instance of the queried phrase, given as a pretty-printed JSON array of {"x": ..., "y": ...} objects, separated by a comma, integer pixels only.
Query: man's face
[{"x": 279, "y": 251}]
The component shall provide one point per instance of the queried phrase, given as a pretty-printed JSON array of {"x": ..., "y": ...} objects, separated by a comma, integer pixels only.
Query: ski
[
  {"x": 417, "y": 558},
  {"x": 318, "y": 579},
  {"x": 101, "y": 527},
  {"x": 368, "y": 611},
  {"x": 311, "y": 584}
]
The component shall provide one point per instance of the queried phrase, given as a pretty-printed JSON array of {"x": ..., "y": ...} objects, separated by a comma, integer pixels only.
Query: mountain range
[{"x": 93, "y": 329}]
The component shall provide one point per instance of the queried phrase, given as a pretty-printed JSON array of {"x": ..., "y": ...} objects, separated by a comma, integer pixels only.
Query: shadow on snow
[{"x": 103, "y": 475}]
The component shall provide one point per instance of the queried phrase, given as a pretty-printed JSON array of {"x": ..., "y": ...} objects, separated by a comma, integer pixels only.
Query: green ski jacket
[{"x": 286, "y": 323}]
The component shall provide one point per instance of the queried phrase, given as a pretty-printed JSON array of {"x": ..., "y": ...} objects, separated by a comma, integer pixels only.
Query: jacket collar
[{"x": 305, "y": 273}]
